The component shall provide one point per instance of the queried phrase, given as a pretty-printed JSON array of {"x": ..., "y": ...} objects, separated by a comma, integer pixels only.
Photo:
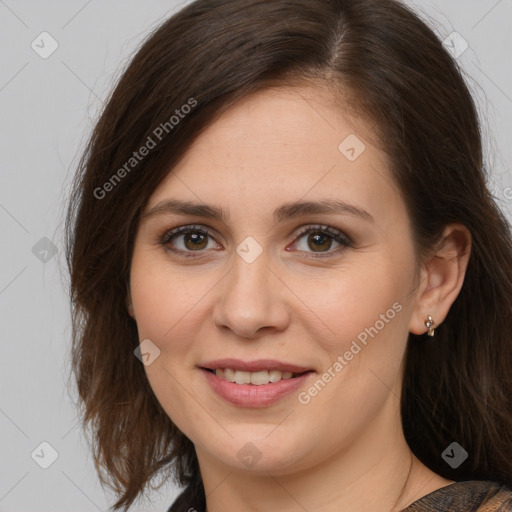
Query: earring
[{"x": 430, "y": 324}]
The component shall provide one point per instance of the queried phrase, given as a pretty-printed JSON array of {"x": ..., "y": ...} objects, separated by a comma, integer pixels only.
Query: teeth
[
  {"x": 259, "y": 378},
  {"x": 242, "y": 377},
  {"x": 229, "y": 374},
  {"x": 256, "y": 378}
]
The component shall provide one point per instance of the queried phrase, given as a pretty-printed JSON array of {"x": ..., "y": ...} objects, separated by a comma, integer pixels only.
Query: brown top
[{"x": 467, "y": 496}]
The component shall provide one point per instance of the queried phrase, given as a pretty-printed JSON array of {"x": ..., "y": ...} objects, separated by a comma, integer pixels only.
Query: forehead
[{"x": 279, "y": 145}]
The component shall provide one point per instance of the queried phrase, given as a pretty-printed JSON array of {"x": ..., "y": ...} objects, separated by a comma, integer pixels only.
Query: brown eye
[
  {"x": 195, "y": 241},
  {"x": 320, "y": 239},
  {"x": 187, "y": 239}
]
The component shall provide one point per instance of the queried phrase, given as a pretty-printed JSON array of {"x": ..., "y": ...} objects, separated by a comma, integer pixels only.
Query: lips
[{"x": 258, "y": 383}]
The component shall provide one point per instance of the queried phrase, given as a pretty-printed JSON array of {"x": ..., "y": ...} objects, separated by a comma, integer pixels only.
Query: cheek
[
  {"x": 169, "y": 307},
  {"x": 164, "y": 308},
  {"x": 359, "y": 304},
  {"x": 365, "y": 324},
  {"x": 365, "y": 319},
  {"x": 164, "y": 300}
]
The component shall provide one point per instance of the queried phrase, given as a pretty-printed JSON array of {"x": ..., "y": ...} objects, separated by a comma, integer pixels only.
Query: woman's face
[{"x": 254, "y": 285}]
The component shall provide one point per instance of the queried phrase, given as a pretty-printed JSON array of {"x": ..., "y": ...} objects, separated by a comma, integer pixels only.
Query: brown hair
[{"x": 457, "y": 387}]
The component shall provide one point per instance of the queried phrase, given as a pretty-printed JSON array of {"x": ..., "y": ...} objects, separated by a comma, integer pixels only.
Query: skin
[{"x": 273, "y": 147}]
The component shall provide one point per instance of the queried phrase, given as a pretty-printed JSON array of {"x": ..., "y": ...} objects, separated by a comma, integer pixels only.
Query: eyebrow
[{"x": 285, "y": 211}]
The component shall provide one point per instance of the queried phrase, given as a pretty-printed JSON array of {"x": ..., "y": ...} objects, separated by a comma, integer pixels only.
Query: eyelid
[
  {"x": 334, "y": 233},
  {"x": 331, "y": 231},
  {"x": 169, "y": 233}
]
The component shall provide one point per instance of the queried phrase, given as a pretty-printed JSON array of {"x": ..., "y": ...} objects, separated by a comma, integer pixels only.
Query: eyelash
[{"x": 333, "y": 233}]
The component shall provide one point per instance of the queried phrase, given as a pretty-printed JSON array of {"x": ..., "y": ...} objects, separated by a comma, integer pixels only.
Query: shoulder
[
  {"x": 466, "y": 496},
  {"x": 191, "y": 499}
]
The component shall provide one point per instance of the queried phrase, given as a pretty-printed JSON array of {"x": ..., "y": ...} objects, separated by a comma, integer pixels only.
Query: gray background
[{"x": 48, "y": 107}]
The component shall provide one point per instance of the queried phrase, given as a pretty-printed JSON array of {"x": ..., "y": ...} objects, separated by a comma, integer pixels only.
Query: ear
[
  {"x": 129, "y": 304},
  {"x": 442, "y": 276}
]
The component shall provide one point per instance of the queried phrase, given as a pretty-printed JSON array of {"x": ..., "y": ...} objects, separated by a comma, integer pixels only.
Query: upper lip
[{"x": 254, "y": 366}]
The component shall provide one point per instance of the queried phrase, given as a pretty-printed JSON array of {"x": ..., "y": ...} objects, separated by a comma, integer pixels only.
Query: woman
[{"x": 291, "y": 286}]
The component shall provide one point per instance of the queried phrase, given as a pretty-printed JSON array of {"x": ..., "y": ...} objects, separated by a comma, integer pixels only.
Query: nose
[{"x": 251, "y": 299}]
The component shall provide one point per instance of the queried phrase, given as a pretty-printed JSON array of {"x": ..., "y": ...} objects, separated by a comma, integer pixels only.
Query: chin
[{"x": 258, "y": 454}]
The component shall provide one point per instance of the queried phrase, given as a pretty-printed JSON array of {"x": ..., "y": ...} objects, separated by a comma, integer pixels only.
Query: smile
[{"x": 255, "y": 378}]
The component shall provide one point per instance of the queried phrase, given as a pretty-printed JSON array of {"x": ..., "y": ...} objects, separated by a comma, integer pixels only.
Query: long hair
[{"x": 398, "y": 77}]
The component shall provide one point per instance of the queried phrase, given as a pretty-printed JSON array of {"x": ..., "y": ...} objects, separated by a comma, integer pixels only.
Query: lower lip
[{"x": 250, "y": 395}]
